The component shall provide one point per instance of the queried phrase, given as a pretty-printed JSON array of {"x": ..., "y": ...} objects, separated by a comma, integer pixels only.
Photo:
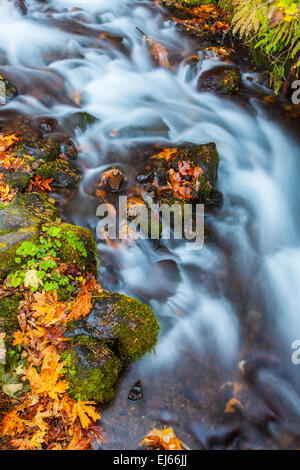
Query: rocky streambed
[{"x": 159, "y": 107}]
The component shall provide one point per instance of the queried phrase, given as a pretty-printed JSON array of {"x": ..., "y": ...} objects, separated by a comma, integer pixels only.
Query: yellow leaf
[
  {"x": 163, "y": 439},
  {"x": 32, "y": 280},
  {"x": 84, "y": 412},
  {"x": 230, "y": 405},
  {"x": 11, "y": 389}
]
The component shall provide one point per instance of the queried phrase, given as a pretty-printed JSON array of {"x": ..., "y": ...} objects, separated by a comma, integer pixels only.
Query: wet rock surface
[
  {"x": 188, "y": 172},
  {"x": 127, "y": 323},
  {"x": 19, "y": 222},
  {"x": 92, "y": 371},
  {"x": 8, "y": 90},
  {"x": 224, "y": 79},
  {"x": 136, "y": 393},
  {"x": 64, "y": 175}
]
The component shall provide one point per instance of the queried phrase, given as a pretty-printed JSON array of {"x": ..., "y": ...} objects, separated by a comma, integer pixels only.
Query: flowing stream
[{"x": 237, "y": 299}]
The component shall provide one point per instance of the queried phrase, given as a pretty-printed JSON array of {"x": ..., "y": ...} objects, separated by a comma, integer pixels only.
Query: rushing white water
[{"x": 259, "y": 171}]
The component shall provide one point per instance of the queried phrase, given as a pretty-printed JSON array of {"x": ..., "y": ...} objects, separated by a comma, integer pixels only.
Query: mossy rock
[
  {"x": 8, "y": 315},
  {"x": 71, "y": 254},
  {"x": 63, "y": 174},
  {"x": 19, "y": 180},
  {"x": 225, "y": 79},
  {"x": 204, "y": 156},
  {"x": 207, "y": 158},
  {"x": 187, "y": 3},
  {"x": 128, "y": 324},
  {"x": 31, "y": 208},
  {"x": 80, "y": 120},
  {"x": 46, "y": 148},
  {"x": 91, "y": 370},
  {"x": 9, "y": 243},
  {"x": 19, "y": 222}
]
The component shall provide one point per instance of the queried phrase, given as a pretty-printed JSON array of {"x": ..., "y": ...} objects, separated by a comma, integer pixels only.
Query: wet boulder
[
  {"x": 188, "y": 173},
  {"x": 223, "y": 78},
  {"x": 111, "y": 180},
  {"x": 63, "y": 174},
  {"x": 8, "y": 90},
  {"x": 19, "y": 179},
  {"x": 20, "y": 222},
  {"x": 127, "y": 324},
  {"x": 79, "y": 121},
  {"x": 91, "y": 370},
  {"x": 46, "y": 148}
]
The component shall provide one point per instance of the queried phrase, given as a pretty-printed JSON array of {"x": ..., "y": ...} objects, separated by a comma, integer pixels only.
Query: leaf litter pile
[
  {"x": 13, "y": 160},
  {"x": 200, "y": 19},
  {"x": 45, "y": 416}
]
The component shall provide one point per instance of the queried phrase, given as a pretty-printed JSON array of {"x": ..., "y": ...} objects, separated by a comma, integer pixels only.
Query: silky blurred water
[{"x": 239, "y": 293}]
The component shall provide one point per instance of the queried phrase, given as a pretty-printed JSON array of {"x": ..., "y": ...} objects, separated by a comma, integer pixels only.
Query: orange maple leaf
[
  {"x": 83, "y": 304},
  {"x": 40, "y": 184},
  {"x": 84, "y": 411},
  {"x": 18, "y": 338},
  {"x": 12, "y": 424},
  {"x": 47, "y": 308},
  {"x": 79, "y": 440},
  {"x": 47, "y": 382}
]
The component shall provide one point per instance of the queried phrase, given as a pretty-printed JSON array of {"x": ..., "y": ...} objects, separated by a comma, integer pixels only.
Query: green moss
[
  {"x": 91, "y": 343},
  {"x": 137, "y": 327},
  {"x": 63, "y": 174},
  {"x": 9, "y": 244},
  {"x": 47, "y": 148},
  {"x": 189, "y": 2},
  {"x": 20, "y": 222},
  {"x": 19, "y": 180},
  {"x": 68, "y": 254},
  {"x": 91, "y": 370},
  {"x": 8, "y": 315},
  {"x": 80, "y": 120},
  {"x": 36, "y": 205}
]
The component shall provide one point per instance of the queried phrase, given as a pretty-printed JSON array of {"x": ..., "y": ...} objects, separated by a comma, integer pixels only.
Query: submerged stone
[{"x": 80, "y": 120}]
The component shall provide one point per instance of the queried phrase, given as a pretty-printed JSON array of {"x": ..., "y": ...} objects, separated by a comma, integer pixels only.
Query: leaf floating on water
[
  {"x": 232, "y": 405},
  {"x": 163, "y": 440}
]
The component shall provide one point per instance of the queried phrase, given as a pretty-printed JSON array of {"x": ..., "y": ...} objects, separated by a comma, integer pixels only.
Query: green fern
[{"x": 279, "y": 39}]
